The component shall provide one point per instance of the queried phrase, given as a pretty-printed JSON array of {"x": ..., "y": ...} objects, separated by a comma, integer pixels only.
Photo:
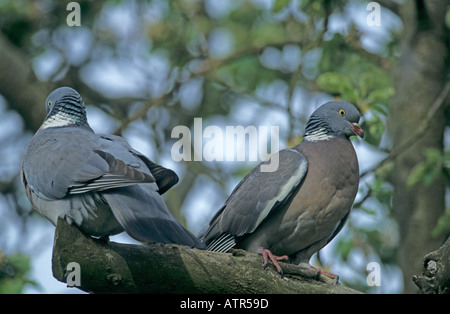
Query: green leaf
[
  {"x": 14, "y": 271},
  {"x": 442, "y": 226},
  {"x": 245, "y": 74},
  {"x": 368, "y": 211},
  {"x": 427, "y": 171},
  {"x": 374, "y": 129},
  {"x": 381, "y": 95},
  {"x": 447, "y": 17},
  {"x": 334, "y": 83},
  {"x": 344, "y": 248},
  {"x": 279, "y": 5}
]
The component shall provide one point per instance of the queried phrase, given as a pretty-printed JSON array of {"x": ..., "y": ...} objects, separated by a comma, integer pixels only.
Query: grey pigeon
[
  {"x": 295, "y": 211},
  {"x": 95, "y": 181}
]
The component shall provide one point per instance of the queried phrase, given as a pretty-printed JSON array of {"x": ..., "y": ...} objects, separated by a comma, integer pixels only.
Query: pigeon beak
[{"x": 357, "y": 129}]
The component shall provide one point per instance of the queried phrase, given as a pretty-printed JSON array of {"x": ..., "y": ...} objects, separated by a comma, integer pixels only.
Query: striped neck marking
[{"x": 318, "y": 135}]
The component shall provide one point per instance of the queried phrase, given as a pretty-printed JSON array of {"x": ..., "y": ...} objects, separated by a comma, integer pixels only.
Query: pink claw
[
  {"x": 329, "y": 275},
  {"x": 274, "y": 259}
]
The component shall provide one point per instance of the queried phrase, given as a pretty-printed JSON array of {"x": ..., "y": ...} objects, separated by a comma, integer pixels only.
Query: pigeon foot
[
  {"x": 329, "y": 275},
  {"x": 267, "y": 255}
]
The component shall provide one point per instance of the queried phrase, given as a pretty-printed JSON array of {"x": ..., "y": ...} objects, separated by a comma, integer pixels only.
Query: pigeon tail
[{"x": 144, "y": 216}]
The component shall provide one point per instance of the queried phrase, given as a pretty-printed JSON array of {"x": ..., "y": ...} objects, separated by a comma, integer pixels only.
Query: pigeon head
[
  {"x": 65, "y": 107},
  {"x": 334, "y": 118}
]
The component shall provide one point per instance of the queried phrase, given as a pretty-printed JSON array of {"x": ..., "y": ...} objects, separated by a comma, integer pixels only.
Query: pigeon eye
[
  {"x": 49, "y": 104},
  {"x": 342, "y": 112}
]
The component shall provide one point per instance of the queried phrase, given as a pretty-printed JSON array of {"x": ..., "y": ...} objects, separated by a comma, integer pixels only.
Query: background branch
[
  {"x": 421, "y": 130},
  {"x": 15, "y": 74},
  {"x": 391, "y": 5}
]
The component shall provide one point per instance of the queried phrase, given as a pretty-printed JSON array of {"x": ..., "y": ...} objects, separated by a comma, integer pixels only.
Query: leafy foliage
[
  {"x": 436, "y": 165},
  {"x": 14, "y": 273}
]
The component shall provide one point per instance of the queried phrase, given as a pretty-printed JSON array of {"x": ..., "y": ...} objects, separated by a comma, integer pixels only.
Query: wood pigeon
[
  {"x": 95, "y": 181},
  {"x": 293, "y": 212}
]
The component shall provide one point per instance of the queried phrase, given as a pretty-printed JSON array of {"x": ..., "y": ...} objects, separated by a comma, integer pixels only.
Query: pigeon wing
[{"x": 254, "y": 198}]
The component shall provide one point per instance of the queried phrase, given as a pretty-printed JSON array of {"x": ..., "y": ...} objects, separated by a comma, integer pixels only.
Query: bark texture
[
  {"x": 435, "y": 278},
  {"x": 161, "y": 268}
]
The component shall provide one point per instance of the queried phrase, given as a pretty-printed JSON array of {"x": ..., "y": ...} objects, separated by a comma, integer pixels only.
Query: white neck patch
[
  {"x": 319, "y": 135},
  {"x": 58, "y": 120}
]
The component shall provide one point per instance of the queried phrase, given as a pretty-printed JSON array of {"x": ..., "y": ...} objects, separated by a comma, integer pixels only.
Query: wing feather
[
  {"x": 165, "y": 178},
  {"x": 254, "y": 198},
  {"x": 118, "y": 175}
]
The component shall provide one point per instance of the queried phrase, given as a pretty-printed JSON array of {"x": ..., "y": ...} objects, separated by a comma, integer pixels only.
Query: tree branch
[
  {"x": 19, "y": 85},
  {"x": 161, "y": 268},
  {"x": 435, "y": 276}
]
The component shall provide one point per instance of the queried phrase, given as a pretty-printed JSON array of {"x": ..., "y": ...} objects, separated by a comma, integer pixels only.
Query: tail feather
[
  {"x": 145, "y": 217},
  {"x": 222, "y": 244}
]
